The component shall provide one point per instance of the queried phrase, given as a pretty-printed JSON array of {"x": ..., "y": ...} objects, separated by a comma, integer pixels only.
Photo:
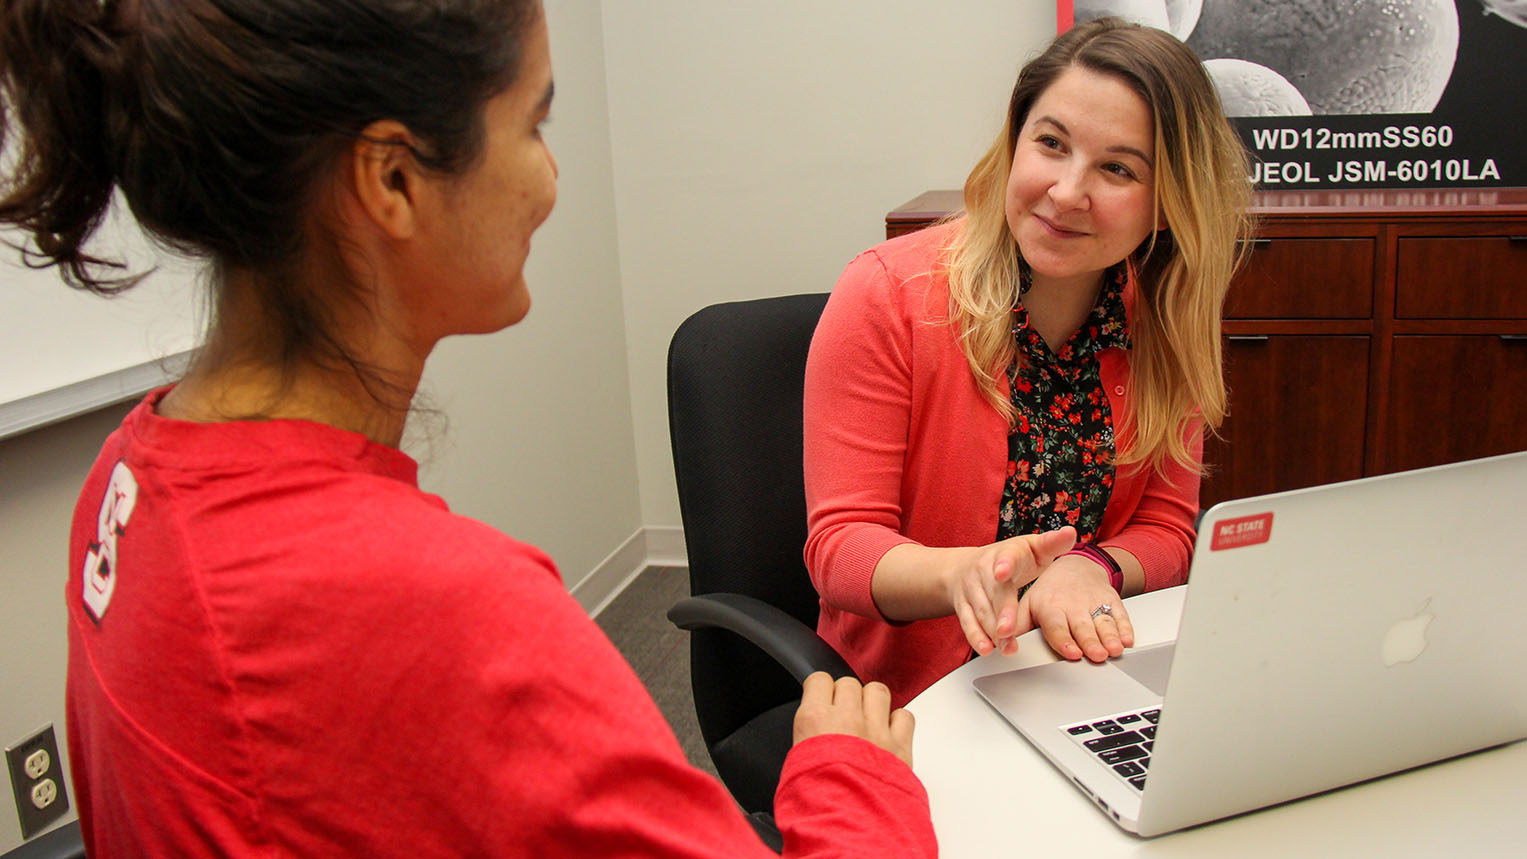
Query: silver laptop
[{"x": 1329, "y": 635}]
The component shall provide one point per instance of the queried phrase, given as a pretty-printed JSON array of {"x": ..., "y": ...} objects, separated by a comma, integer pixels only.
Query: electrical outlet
[{"x": 38, "y": 781}]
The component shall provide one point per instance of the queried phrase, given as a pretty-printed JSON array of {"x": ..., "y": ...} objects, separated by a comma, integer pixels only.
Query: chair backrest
[{"x": 736, "y": 375}]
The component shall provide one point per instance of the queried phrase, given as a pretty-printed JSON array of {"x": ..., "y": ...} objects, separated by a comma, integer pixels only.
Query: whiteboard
[{"x": 66, "y": 351}]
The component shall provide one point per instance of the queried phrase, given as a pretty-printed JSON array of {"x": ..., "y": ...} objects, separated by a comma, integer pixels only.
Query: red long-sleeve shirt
[{"x": 280, "y": 646}]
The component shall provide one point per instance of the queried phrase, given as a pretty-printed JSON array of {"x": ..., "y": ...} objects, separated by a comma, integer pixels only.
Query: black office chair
[{"x": 736, "y": 373}]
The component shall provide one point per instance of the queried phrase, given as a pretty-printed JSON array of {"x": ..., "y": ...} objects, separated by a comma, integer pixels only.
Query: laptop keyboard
[{"x": 1123, "y": 742}]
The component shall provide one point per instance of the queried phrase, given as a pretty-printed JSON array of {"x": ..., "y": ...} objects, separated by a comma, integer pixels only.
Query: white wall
[
  {"x": 709, "y": 151},
  {"x": 758, "y": 147}
]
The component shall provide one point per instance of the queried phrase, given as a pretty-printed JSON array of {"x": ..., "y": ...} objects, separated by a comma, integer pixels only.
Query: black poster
[{"x": 1337, "y": 94}]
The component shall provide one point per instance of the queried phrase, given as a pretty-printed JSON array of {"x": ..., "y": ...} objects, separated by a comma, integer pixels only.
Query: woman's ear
[{"x": 386, "y": 178}]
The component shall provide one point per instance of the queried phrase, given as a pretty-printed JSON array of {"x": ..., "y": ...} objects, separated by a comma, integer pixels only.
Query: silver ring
[{"x": 1104, "y": 609}]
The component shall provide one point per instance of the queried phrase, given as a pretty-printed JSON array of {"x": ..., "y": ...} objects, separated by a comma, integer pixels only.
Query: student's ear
[{"x": 387, "y": 180}]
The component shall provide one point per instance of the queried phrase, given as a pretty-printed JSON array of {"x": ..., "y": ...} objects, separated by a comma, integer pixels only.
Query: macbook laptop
[{"x": 1328, "y": 636}]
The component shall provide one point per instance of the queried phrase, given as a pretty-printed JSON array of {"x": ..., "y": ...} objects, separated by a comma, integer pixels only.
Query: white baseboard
[
  {"x": 651, "y": 546},
  {"x": 665, "y": 546}
]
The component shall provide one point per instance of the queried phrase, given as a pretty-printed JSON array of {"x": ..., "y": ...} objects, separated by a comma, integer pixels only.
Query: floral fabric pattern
[{"x": 1061, "y": 450}]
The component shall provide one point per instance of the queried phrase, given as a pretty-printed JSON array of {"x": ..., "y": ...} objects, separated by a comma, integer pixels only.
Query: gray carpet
[{"x": 636, "y": 621}]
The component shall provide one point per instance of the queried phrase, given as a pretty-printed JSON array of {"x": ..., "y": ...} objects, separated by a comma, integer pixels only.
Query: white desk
[{"x": 994, "y": 795}]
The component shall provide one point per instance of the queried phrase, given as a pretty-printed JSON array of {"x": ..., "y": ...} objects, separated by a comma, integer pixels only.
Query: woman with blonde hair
[{"x": 1004, "y": 414}]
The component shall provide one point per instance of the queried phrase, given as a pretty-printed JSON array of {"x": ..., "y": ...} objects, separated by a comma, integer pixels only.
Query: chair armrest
[{"x": 794, "y": 645}]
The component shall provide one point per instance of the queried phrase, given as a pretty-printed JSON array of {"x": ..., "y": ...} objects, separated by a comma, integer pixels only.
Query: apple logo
[{"x": 1407, "y": 638}]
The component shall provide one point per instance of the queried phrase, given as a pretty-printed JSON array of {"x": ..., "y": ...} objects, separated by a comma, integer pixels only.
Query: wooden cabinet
[
  {"x": 1280, "y": 417},
  {"x": 1275, "y": 284},
  {"x": 1455, "y": 396},
  {"x": 1494, "y": 268},
  {"x": 1370, "y": 332}
]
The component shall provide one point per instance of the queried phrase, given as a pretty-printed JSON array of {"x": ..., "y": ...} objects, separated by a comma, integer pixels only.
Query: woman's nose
[{"x": 1069, "y": 191}]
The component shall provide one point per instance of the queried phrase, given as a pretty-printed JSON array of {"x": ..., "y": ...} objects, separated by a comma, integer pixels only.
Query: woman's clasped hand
[
  {"x": 1003, "y": 590},
  {"x": 1064, "y": 603}
]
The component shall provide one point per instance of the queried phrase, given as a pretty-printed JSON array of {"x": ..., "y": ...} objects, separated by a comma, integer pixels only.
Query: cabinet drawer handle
[
  {"x": 1262, "y": 338},
  {"x": 1517, "y": 239},
  {"x": 1262, "y": 243},
  {"x": 1513, "y": 338}
]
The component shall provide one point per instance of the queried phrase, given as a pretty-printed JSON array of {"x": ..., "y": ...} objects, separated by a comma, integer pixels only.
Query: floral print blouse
[{"x": 1061, "y": 451}]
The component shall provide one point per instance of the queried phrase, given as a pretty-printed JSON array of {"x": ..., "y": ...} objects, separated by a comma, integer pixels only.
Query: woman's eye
[{"x": 1119, "y": 170}]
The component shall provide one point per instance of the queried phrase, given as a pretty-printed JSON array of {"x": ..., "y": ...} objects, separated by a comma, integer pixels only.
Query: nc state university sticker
[{"x": 1241, "y": 531}]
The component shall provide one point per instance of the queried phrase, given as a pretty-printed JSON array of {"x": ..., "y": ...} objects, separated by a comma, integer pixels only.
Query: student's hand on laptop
[
  {"x": 843, "y": 706},
  {"x": 983, "y": 586},
  {"x": 1063, "y": 603}
]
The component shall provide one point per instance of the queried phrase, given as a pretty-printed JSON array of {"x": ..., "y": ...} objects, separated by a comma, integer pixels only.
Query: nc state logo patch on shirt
[{"x": 100, "y": 573}]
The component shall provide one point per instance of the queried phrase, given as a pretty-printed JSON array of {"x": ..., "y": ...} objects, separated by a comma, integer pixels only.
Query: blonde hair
[{"x": 1202, "y": 189}]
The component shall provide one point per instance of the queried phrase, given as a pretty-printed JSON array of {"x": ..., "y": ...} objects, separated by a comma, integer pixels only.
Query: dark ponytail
[
  {"x": 219, "y": 120},
  {"x": 53, "y": 57}
]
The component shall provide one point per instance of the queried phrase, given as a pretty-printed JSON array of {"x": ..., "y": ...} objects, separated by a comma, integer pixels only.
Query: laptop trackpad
[{"x": 1149, "y": 666}]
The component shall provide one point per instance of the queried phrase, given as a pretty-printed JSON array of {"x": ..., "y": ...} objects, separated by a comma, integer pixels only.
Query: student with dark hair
[{"x": 279, "y": 645}]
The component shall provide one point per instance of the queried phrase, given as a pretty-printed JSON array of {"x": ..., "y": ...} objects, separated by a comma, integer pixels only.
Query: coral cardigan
[{"x": 900, "y": 447}]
